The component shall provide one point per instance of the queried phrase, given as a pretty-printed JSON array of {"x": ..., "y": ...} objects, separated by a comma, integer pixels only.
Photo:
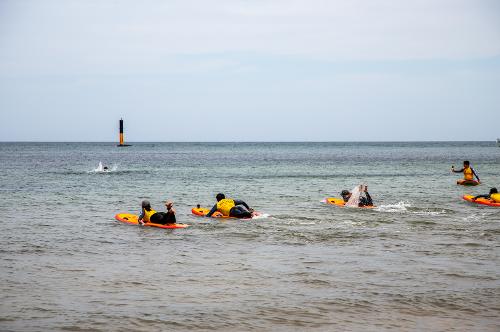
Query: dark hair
[
  {"x": 146, "y": 205},
  {"x": 220, "y": 196},
  {"x": 493, "y": 191},
  {"x": 466, "y": 162},
  {"x": 345, "y": 192}
]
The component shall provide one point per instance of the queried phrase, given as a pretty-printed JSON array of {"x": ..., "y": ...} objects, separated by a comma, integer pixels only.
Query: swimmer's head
[
  {"x": 220, "y": 197},
  {"x": 345, "y": 195}
]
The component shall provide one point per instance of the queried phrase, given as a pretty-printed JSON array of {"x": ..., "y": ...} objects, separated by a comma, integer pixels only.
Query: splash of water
[
  {"x": 354, "y": 199},
  {"x": 100, "y": 168}
]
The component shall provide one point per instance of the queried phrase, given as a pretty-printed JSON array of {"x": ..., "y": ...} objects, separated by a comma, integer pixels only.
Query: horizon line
[{"x": 354, "y": 141}]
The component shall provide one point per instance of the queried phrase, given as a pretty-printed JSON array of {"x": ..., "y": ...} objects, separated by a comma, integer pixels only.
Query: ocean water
[{"x": 423, "y": 260}]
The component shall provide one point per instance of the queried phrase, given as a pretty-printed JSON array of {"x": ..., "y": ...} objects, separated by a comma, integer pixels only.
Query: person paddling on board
[
  {"x": 231, "y": 207},
  {"x": 469, "y": 174},
  {"x": 363, "y": 201},
  {"x": 493, "y": 195},
  {"x": 150, "y": 215}
]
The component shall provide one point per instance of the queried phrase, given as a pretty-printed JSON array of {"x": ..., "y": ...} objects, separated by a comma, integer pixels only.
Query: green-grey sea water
[{"x": 423, "y": 260}]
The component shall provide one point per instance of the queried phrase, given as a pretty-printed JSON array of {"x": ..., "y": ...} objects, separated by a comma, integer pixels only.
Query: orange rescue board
[
  {"x": 467, "y": 183},
  {"x": 133, "y": 220},
  {"x": 482, "y": 201},
  {"x": 340, "y": 202}
]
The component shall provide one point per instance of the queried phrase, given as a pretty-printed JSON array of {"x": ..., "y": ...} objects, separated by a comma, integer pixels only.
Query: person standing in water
[
  {"x": 231, "y": 207},
  {"x": 469, "y": 174},
  {"x": 149, "y": 215},
  {"x": 363, "y": 201}
]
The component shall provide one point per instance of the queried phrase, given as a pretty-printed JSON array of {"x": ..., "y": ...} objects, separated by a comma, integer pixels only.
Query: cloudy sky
[{"x": 250, "y": 70}]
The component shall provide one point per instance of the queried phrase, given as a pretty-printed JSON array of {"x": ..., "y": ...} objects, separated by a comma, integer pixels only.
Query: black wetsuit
[
  {"x": 163, "y": 218},
  {"x": 482, "y": 196},
  {"x": 366, "y": 201},
  {"x": 240, "y": 211}
]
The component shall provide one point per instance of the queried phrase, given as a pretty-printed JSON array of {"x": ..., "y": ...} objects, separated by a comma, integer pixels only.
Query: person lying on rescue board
[{"x": 231, "y": 207}]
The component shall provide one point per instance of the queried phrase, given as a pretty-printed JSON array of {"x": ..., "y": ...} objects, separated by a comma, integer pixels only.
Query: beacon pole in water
[{"x": 121, "y": 135}]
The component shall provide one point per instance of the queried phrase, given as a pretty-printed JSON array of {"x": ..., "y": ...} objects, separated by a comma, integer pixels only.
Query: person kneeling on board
[
  {"x": 150, "y": 215},
  {"x": 363, "y": 201},
  {"x": 231, "y": 207},
  {"x": 469, "y": 173},
  {"x": 493, "y": 195}
]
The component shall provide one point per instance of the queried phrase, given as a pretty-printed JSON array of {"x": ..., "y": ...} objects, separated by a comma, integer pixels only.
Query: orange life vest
[
  {"x": 225, "y": 205},
  {"x": 468, "y": 174},
  {"x": 148, "y": 214},
  {"x": 495, "y": 197}
]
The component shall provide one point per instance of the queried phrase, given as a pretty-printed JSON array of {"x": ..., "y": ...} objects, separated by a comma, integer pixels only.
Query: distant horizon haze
[
  {"x": 276, "y": 70},
  {"x": 231, "y": 142}
]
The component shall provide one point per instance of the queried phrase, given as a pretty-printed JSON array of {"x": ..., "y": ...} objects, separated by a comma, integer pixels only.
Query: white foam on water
[
  {"x": 262, "y": 216},
  {"x": 430, "y": 213},
  {"x": 477, "y": 217},
  {"x": 403, "y": 207},
  {"x": 398, "y": 207},
  {"x": 471, "y": 218}
]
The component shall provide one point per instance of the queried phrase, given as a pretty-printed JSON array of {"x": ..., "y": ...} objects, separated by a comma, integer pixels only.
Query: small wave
[
  {"x": 428, "y": 212},
  {"x": 406, "y": 207},
  {"x": 472, "y": 218},
  {"x": 398, "y": 207},
  {"x": 262, "y": 216}
]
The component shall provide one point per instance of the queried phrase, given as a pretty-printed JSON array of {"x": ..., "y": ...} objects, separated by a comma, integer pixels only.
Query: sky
[{"x": 250, "y": 70}]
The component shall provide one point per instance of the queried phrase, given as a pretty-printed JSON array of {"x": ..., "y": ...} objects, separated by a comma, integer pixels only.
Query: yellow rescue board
[
  {"x": 340, "y": 202},
  {"x": 134, "y": 220}
]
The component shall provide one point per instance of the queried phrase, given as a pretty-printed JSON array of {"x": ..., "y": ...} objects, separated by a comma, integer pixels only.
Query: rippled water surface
[{"x": 423, "y": 260}]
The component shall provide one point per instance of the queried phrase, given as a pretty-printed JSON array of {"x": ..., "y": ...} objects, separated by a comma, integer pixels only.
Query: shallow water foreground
[{"x": 423, "y": 260}]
